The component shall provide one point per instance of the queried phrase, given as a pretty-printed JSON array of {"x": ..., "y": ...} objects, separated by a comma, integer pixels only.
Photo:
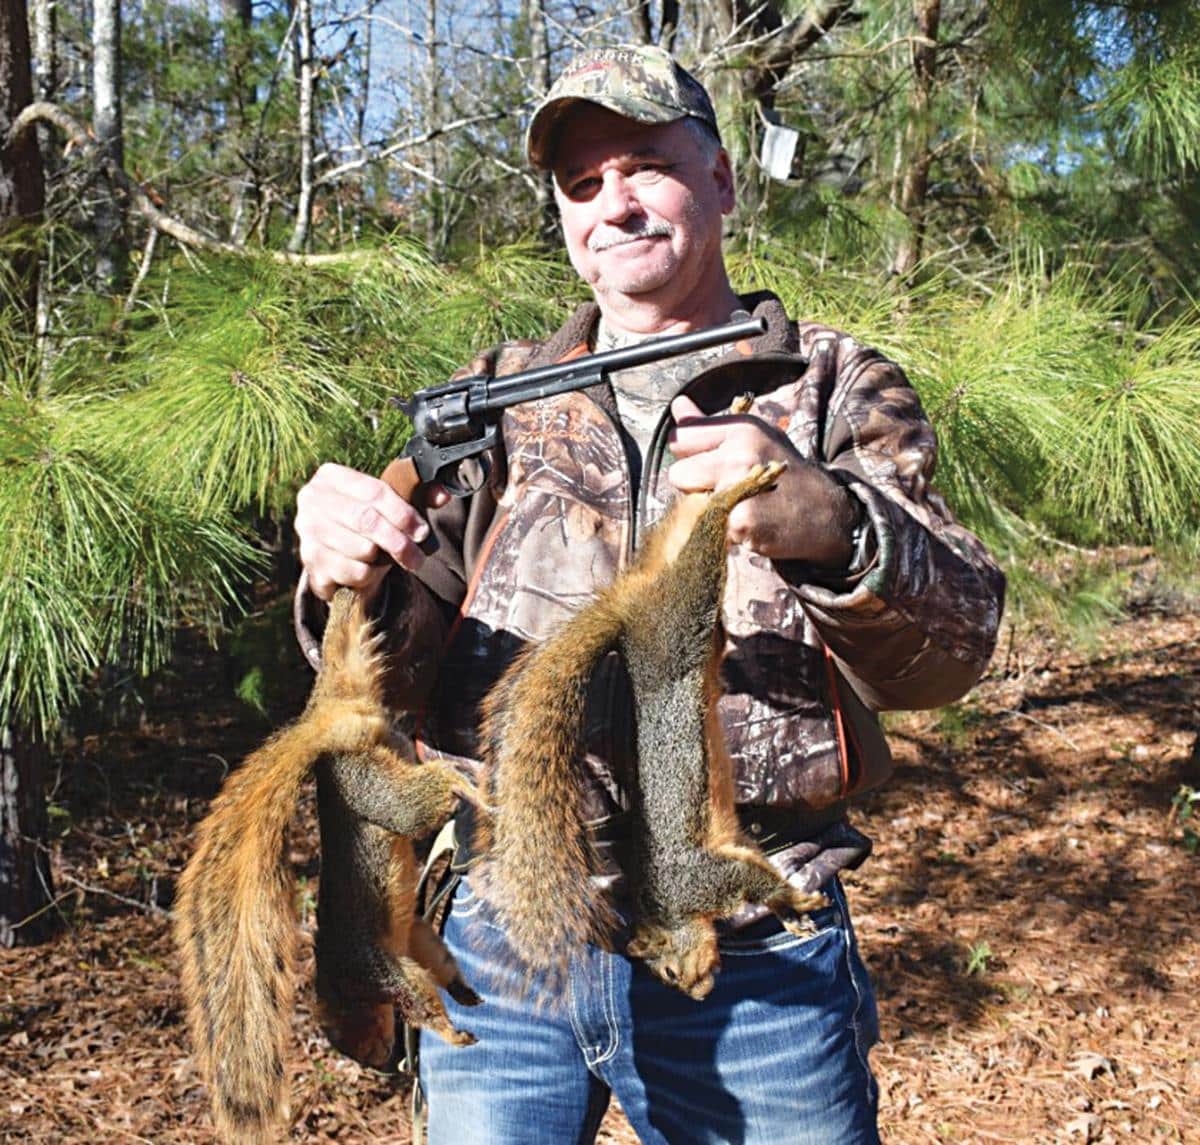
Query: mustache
[{"x": 609, "y": 236}]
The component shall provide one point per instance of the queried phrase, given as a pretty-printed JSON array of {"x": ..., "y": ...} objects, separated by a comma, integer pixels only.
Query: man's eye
[
  {"x": 583, "y": 188},
  {"x": 649, "y": 172}
]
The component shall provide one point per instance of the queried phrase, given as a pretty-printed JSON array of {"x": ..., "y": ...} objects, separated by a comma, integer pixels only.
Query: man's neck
[{"x": 630, "y": 317}]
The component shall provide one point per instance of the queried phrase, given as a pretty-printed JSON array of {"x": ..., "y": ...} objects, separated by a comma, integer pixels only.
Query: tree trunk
[
  {"x": 362, "y": 102},
  {"x": 237, "y": 16},
  {"x": 670, "y": 24},
  {"x": 643, "y": 23},
  {"x": 432, "y": 230},
  {"x": 25, "y": 887},
  {"x": 539, "y": 51},
  {"x": 112, "y": 249},
  {"x": 22, "y": 190},
  {"x": 767, "y": 44},
  {"x": 308, "y": 83},
  {"x": 917, "y": 156},
  {"x": 44, "y": 22}
]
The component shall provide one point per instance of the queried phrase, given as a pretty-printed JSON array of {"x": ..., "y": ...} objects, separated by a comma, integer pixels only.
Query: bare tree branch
[
  {"x": 411, "y": 141},
  {"x": 152, "y": 234},
  {"x": 81, "y": 138}
]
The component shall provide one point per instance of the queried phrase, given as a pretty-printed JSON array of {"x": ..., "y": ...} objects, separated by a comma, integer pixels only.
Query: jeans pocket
[
  {"x": 466, "y": 903},
  {"x": 769, "y": 936},
  {"x": 474, "y": 919}
]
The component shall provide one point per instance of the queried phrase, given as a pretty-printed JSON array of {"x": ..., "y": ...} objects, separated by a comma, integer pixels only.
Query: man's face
[{"x": 641, "y": 207}]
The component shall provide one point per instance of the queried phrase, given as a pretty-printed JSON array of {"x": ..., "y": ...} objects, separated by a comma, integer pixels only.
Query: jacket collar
[{"x": 575, "y": 335}]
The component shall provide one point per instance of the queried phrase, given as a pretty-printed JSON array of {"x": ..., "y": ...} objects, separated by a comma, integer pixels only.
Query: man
[{"x": 850, "y": 589}]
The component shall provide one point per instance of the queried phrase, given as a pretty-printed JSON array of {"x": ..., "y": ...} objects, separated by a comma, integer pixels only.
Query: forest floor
[{"x": 1029, "y": 915}]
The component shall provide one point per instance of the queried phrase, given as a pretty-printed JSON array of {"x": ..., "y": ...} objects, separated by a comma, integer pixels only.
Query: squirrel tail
[
  {"x": 234, "y": 920},
  {"x": 540, "y": 861}
]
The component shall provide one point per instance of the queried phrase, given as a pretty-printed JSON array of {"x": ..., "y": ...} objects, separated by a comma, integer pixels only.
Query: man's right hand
[{"x": 345, "y": 519}]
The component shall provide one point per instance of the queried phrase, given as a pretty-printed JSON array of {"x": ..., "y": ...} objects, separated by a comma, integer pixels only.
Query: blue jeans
[{"x": 775, "y": 1055}]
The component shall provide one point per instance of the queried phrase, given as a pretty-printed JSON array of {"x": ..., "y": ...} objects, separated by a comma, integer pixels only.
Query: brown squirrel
[
  {"x": 234, "y": 923},
  {"x": 689, "y": 863}
]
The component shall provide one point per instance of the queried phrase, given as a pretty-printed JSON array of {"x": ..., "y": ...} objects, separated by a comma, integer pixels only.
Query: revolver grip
[{"x": 401, "y": 476}]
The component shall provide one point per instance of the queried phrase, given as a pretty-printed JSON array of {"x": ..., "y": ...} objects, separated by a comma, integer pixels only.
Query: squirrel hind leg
[
  {"x": 751, "y": 877},
  {"x": 428, "y": 949},
  {"x": 758, "y": 479},
  {"x": 791, "y": 906},
  {"x": 414, "y": 991}
]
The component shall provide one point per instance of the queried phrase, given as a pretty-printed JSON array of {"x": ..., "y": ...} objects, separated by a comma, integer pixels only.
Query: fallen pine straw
[{"x": 1028, "y": 916}]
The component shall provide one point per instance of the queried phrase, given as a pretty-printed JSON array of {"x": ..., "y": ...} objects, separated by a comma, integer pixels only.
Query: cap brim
[{"x": 543, "y": 128}]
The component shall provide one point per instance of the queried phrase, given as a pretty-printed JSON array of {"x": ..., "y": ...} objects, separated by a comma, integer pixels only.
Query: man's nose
[{"x": 618, "y": 199}]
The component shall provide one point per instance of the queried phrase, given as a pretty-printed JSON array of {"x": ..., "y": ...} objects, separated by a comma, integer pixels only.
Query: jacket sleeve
[{"x": 914, "y": 623}]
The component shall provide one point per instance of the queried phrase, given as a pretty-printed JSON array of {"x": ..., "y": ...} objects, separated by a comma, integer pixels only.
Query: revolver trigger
[{"x": 458, "y": 488}]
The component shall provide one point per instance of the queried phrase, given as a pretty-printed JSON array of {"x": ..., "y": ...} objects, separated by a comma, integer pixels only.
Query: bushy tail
[
  {"x": 234, "y": 921},
  {"x": 539, "y": 865}
]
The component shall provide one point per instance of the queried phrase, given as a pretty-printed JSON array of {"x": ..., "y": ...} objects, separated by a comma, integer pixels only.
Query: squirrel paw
[
  {"x": 463, "y": 994},
  {"x": 761, "y": 477},
  {"x": 758, "y": 479},
  {"x": 457, "y": 1037},
  {"x": 792, "y": 907},
  {"x": 684, "y": 956}
]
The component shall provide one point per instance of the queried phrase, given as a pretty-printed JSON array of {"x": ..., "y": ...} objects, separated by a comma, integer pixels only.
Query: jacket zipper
[{"x": 632, "y": 533}]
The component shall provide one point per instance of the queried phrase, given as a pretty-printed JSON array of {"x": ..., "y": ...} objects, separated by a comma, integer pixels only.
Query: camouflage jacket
[{"x": 809, "y": 657}]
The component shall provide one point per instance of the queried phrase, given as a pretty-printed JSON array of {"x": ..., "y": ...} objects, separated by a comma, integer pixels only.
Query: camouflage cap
[{"x": 637, "y": 81}]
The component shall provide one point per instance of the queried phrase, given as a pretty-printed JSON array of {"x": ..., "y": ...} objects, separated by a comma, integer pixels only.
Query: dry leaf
[
  {"x": 1089, "y": 1065},
  {"x": 1087, "y": 1125}
]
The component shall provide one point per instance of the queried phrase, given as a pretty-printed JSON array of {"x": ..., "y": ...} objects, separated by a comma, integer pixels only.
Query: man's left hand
[{"x": 808, "y": 516}]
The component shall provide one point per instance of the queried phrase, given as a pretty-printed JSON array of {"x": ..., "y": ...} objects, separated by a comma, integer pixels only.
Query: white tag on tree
[{"x": 778, "y": 150}]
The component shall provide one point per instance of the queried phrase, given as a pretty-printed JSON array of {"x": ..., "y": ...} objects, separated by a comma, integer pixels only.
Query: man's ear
[{"x": 723, "y": 173}]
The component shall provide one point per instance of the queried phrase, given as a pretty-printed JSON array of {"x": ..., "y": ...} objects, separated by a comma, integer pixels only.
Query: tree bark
[
  {"x": 669, "y": 25},
  {"x": 25, "y": 887},
  {"x": 22, "y": 188},
  {"x": 237, "y": 16},
  {"x": 917, "y": 156},
  {"x": 766, "y": 45},
  {"x": 361, "y": 103},
  {"x": 44, "y": 27},
  {"x": 112, "y": 249},
  {"x": 308, "y": 82},
  {"x": 539, "y": 51},
  {"x": 44, "y": 24},
  {"x": 432, "y": 229},
  {"x": 643, "y": 23}
]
